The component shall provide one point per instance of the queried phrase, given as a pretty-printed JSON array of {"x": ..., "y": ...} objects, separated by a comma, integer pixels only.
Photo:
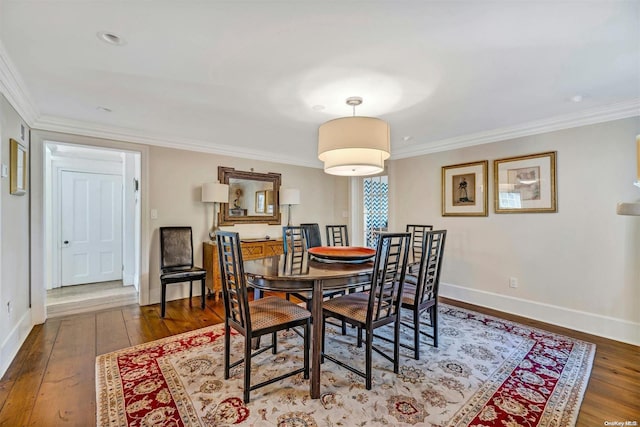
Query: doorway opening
[{"x": 92, "y": 227}]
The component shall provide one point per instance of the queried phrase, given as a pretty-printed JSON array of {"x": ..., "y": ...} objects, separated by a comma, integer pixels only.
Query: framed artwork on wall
[
  {"x": 18, "y": 168},
  {"x": 525, "y": 183},
  {"x": 464, "y": 189}
]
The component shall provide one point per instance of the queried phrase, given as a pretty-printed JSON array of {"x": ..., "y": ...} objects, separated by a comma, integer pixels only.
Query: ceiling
[{"x": 255, "y": 79}]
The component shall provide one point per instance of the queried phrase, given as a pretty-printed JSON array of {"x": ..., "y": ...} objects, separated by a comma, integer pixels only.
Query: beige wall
[
  {"x": 579, "y": 267},
  {"x": 14, "y": 249},
  {"x": 176, "y": 177}
]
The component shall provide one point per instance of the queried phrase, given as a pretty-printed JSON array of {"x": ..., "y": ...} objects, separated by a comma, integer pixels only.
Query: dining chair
[
  {"x": 252, "y": 319},
  {"x": 379, "y": 306},
  {"x": 295, "y": 251},
  {"x": 313, "y": 234},
  {"x": 417, "y": 237},
  {"x": 294, "y": 240},
  {"x": 337, "y": 235},
  {"x": 176, "y": 263},
  {"x": 420, "y": 292}
]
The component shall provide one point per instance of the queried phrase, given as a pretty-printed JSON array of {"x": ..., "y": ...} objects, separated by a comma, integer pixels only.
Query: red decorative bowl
[{"x": 342, "y": 253}]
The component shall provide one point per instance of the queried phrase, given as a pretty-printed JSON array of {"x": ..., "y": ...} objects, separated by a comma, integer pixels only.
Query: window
[{"x": 376, "y": 208}]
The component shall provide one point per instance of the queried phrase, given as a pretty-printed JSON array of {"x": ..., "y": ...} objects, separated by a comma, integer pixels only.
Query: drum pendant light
[{"x": 354, "y": 146}]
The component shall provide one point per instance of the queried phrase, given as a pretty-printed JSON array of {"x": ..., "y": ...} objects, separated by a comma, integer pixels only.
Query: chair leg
[
  {"x": 163, "y": 300},
  {"x": 396, "y": 345},
  {"x": 274, "y": 340},
  {"x": 203, "y": 293},
  {"x": 307, "y": 346},
  {"x": 368, "y": 351},
  {"x": 416, "y": 334},
  {"x": 359, "y": 332},
  {"x": 434, "y": 314},
  {"x": 324, "y": 325},
  {"x": 190, "y": 291},
  {"x": 227, "y": 350},
  {"x": 247, "y": 367}
]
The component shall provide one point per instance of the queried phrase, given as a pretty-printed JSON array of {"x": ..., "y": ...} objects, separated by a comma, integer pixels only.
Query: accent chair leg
[
  {"x": 163, "y": 299},
  {"x": 203, "y": 294},
  {"x": 274, "y": 340},
  {"x": 190, "y": 291}
]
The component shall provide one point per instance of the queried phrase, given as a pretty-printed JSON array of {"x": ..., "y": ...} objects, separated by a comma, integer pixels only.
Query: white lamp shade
[
  {"x": 289, "y": 196},
  {"x": 354, "y": 146},
  {"x": 628, "y": 209},
  {"x": 215, "y": 192}
]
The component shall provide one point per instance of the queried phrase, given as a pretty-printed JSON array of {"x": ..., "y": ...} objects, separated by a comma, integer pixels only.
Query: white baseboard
[
  {"x": 604, "y": 326},
  {"x": 14, "y": 341}
]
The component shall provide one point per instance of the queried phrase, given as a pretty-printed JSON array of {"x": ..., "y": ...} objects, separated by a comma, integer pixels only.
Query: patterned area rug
[{"x": 486, "y": 372}]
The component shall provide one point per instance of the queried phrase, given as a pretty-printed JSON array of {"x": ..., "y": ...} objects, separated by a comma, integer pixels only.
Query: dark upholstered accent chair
[
  {"x": 252, "y": 319},
  {"x": 417, "y": 237},
  {"x": 313, "y": 234},
  {"x": 421, "y": 288},
  {"x": 176, "y": 262},
  {"x": 377, "y": 307},
  {"x": 337, "y": 235}
]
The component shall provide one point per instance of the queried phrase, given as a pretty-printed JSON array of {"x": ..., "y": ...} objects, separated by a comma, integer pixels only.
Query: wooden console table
[{"x": 251, "y": 249}]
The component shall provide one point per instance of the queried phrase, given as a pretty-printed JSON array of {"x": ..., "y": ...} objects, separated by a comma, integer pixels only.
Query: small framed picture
[
  {"x": 525, "y": 183},
  {"x": 464, "y": 189},
  {"x": 18, "y": 168}
]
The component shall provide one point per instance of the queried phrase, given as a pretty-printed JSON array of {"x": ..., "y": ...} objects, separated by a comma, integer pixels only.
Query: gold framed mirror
[{"x": 253, "y": 197}]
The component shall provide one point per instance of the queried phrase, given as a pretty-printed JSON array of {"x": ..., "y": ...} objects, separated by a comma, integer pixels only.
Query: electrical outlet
[{"x": 513, "y": 282}]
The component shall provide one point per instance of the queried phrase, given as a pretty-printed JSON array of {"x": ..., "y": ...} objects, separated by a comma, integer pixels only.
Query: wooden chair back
[
  {"x": 337, "y": 235},
  {"x": 234, "y": 286},
  {"x": 417, "y": 238},
  {"x": 389, "y": 271}
]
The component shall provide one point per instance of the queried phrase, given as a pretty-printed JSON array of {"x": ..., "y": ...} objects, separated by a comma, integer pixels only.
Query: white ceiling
[{"x": 243, "y": 77}]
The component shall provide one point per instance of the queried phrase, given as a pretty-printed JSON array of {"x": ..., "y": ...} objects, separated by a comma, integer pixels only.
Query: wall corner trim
[{"x": 11, "y": 345}]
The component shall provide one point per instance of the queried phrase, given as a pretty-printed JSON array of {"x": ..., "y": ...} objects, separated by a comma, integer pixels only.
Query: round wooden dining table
[{"x": 284, "y": 274}]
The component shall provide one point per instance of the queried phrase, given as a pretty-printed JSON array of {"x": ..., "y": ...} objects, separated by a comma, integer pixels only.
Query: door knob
[{"x": 66, "y": 242}]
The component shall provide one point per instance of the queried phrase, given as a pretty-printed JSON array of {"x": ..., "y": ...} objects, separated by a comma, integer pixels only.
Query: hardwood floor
[{"x": 51, "y": 382}]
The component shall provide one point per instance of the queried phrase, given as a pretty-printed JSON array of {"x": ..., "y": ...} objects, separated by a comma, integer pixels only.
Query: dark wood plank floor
[{"x": 51, "y": 382}]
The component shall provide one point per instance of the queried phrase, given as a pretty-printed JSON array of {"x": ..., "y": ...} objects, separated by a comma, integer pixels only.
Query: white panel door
[{"x": 91, "y": 227}]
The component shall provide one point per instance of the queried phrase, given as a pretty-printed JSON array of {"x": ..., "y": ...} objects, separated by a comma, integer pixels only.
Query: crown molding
[
  {"x": 14, "y": 89},
  {"x": 76, "y": 127},
  {"x": 607, "y": 113}
]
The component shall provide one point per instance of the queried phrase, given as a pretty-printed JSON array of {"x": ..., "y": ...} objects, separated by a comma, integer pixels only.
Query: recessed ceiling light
[
  {"x": 576, "y": 98},
  {"x": 104, "y": 109},
  {"x": 407, "y": 138},
  {"x": 111, "y": 38},
  {"x": 318, "y": 107}
]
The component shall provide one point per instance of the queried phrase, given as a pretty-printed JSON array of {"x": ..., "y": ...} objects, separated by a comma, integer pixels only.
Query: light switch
[
  {"x": 154, "y": 214},
  {"x": 5, "y": 171}
]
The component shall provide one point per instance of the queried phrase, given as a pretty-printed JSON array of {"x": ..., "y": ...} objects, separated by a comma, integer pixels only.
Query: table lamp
[
  {"x": 216, "y": 193},
  {"x": 289, "y": 196}
]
